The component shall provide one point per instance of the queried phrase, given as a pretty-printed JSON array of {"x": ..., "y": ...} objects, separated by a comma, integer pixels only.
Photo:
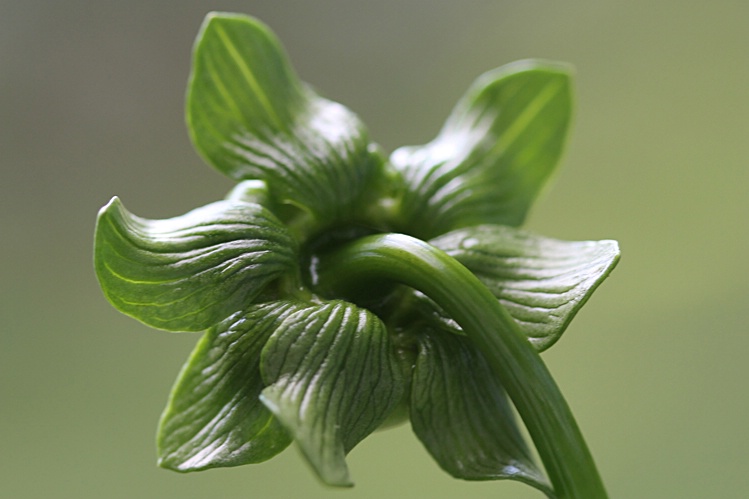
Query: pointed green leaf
[
  {"x": 189, "y": 272},
  {"x": 214, "y": 417},
  {"x": 542, "y": 282},
  {"x": 333, "y": 380},
  {"x": 461, "y": 414},
  {"x": 252, "y": 118},
  {"x": 496, "y": 151}
]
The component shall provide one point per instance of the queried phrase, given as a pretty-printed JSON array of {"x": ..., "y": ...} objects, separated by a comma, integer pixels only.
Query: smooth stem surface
[{"x": 520, "y": 369}]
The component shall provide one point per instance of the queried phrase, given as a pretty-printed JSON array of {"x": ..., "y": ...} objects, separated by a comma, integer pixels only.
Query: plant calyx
[{"x": 338, "y": 289}]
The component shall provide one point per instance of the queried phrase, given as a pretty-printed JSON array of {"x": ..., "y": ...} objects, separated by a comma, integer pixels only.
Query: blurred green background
[{"x": 91, "y": 105}]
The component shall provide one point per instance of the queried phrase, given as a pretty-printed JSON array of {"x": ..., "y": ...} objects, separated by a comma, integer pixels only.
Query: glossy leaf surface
[
  {"x": 333, "y": 379},
  {"x": 252, "y": 118},
  {"x": 494, "y": 154},
  {"x": 214, "y": 416},
  {"x": 189, "y": 272},
  {"x": 461, "y": 414},
  {"x": 542, "y": 282}
]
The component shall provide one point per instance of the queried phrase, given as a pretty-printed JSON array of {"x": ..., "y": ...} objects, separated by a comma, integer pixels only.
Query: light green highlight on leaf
[
  {"x": 250, "y": 191},
  {"x": 249, "y": 77}
]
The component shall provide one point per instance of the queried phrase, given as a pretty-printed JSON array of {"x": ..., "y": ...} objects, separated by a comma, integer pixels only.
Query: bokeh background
[{"x": 655, "y": 366}]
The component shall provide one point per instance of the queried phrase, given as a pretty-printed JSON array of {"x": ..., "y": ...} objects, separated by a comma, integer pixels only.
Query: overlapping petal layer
[{"x": 190, "y": 272}]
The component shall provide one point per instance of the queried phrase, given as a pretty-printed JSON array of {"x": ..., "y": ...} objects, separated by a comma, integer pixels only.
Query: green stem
[{"x": 526, "y": 378}]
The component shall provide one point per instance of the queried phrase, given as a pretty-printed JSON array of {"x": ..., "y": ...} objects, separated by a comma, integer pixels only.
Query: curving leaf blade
[
  {"x": 189, "y": 272},
  {"x": 494, "y": 154},
  {"x": 333, "y": 379},
  {"x": 252, "y": 118},
  {"x": 542, "y": 282},
  {"x": 214, "y": 417},
  {"x": 461, "y": 414}
]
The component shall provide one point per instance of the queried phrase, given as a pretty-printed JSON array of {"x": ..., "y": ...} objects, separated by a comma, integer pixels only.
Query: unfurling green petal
[
  {"x": 214, "y": 416},
  {"x": 542, "y": 282},
  {"x": 494, "y": 154},
  {"x": 334, "y": 378},
  {"x": 252, "y": 118},
  {"x": 462, "y": 415},
  {"x": 189, "y": 272}
]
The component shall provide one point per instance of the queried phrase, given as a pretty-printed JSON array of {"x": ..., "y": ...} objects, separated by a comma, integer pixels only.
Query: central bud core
[{"x": 371, "y": 295}]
